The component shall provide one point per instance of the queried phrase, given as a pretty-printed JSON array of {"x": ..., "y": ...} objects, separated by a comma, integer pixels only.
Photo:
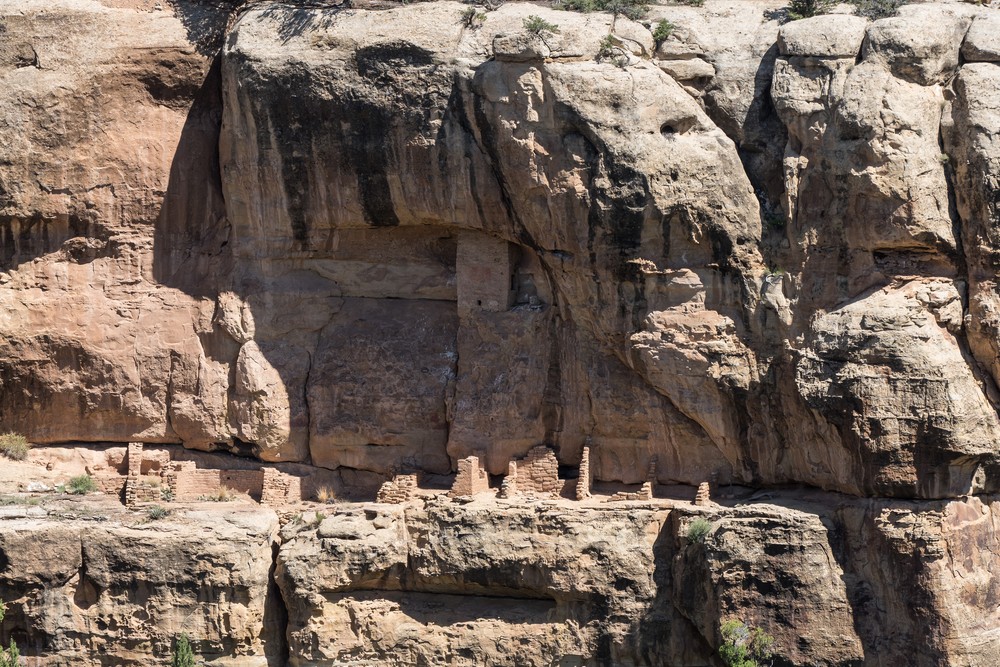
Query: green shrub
[
  {"x": 473, "y": 18},
  {"x": 692, "y": 3},
  {"x": 9, "y": 657},
  {"x": 607, "y": 49},
  {"x": 538, "y": 25},
  {"x": 662, "y": 31},
  {"x": 803, "y": 9},
  {"x": 81, "y": 484},
  {"x": 698, "y": 530},
  {"x": 157, "y": 512},
  {"x": 633, "y": 9},
  {"x": 14, "y": 446},
  {"x": 577, "y": 5},
  {"x": 877, "y": 9},
  {"x": 183, "y": 653},
  {"x": 743, "y": 646}
]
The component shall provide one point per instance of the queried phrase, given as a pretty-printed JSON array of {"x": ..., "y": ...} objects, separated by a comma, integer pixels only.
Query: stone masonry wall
[
  {"x": 471, "y": 478},
  {"x": 483, "y": 272},
  {"x": 538, "y": 473}
]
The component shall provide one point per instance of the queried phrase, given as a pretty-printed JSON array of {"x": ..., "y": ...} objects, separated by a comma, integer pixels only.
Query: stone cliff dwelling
[{"x": 151, "y": 475}]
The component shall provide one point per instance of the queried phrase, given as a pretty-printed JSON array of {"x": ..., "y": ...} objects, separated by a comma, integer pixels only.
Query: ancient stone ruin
[
  {"x": 703, "y": 495},
  {"x": 471, "y": 478},
  {"x": 586, "y": 476},
  {"x": 645, "y": 492},
  {"x": 537, "y": 474},
  {"x": 398, "y": 490},
  {"x": 154, "y": 476}
]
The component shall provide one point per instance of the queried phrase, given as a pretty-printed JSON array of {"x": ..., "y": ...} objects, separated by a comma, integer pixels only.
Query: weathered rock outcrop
[
  {"x": 834, "y": 579},
  {"x": 92, "y": 585},
  {"x": 496, "y": 583},
  {"x": 378, "y": 240}
]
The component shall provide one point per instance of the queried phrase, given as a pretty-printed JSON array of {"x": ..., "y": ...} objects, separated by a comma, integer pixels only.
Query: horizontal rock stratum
[
  {"x": 374, "y": 238},
  {"x": 836, "y": 581}
]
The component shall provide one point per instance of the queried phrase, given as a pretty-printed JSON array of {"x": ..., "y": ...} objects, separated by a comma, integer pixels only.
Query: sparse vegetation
[
  {"x": 9, "y": 657},
  {"x": 775, "y": 271},
  {"x": 14, "y": 446},
  {"x": 633, "y": 9},
  {"x": 803, "y": 9},
  {"x": 166, "y": 494},
  {"x": 943, "y": 158},
  {"x": 610, "y": 50},
  {"x": 698, "y": 530},
  {"x": 488, "y": 5},
  {"x": 15, "y": 500},
  {"x": 537, "y": 25},
  {"x": 743, "y": 646},
  {"x": 877, "y": 9},
  {"x": 473, "y": 18},
  {"x": 662, "y": 31},
  {"x": 318, "y": 519},
  {"x": 325, "y": 494},
  {"x": 223, "y": 495},
  {"x": 607, "y": 48},
  {"x": 81, "y": 484},
  {"x": 774, "y": 219},
  {"x": 157, "y": 512},
  {"x": 692, "y": 3},
  {"x": 183, "y": 653}
]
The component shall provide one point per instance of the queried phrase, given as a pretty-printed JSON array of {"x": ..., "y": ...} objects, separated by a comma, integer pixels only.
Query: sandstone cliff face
[
  {"x": 382, "y": 240},
  {"x": 389, "y": 239},
  {"x": 836, "y": 581},
  {"x": 91, "y": 585}
]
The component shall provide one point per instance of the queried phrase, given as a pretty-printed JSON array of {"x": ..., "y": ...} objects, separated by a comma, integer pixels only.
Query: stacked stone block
[
  {"x": 483, "y": 268},
  {"x": 277, "y": 488},
  {"x": 471, "y": 478},
  {"x": 508, "y": 487},
  {"x": 537, "y": 474},
  {"x": 133, "y": 467},
  {"x": 398, "y": 490},
  {"x": 585, "y": 480},
  {"x": 645, "y": 491},
  {"x": 704, "y": 494}
]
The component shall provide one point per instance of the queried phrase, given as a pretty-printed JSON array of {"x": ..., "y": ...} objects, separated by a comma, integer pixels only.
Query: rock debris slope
[{"x": 375, "y": 240}]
